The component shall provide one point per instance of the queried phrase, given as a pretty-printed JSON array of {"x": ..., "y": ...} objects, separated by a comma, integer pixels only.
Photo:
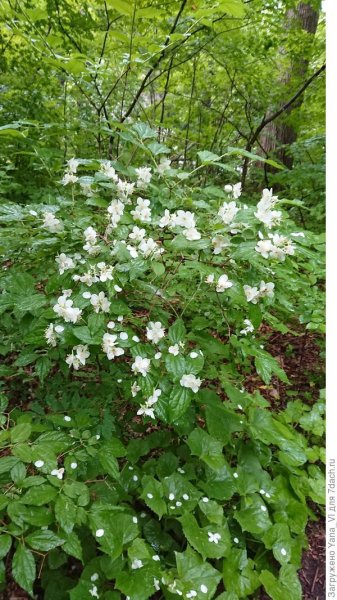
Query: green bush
[{"x": 132, "y": 308}]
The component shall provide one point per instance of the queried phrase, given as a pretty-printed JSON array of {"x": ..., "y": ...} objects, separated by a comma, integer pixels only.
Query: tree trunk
[{"x": 279, "y": 135}]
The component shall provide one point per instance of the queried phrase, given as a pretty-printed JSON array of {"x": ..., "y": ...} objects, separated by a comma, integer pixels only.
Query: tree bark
[{"x": 279, "y": 135}]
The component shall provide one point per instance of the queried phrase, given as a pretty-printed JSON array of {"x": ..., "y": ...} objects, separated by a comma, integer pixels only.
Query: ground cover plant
[{"x": 153, "y": 443}]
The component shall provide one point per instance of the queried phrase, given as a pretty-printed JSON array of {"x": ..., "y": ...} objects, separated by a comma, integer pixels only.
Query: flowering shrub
[{"x": 137, "y": 298}]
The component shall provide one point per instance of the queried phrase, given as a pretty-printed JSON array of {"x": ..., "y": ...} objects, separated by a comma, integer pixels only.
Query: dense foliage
[{"x": 140, "y": 275}]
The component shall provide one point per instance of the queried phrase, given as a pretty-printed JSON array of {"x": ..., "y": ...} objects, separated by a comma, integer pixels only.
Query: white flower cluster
[
  {"x": 184, "y": 219},
  {"x": 275, "y": 246},
  {"x": 191, "y": 381},
  {"x": 91, "y": 245},
  {"x": 155, "y": 332},
  {"x": 144, "y": 176},
  {"x": 142, "y": 211},
  {"x": 141, "y": 365},
  {"x": 110, "y": 347},
  {"x": 233, "y": 190},
  {"x": 51, "y": 334},
  {"x": 249, "y": 327},
  {"x": 108, "y": 170},
  {"x": 64, "y": 263},
  {"x": 69, "y": 175},
  {"x": 253, "y": 294},
  {"x": 146, "y": 409},
  {"x": 64, "y": 308},
  {"x": 222, "y": 284},
  {"x": 265, "y": 212},
  {"x": 146, "y": 246},
  {"x": 78, "y": 356},
  {"x": 219, "y": 242},
  {"x": 163, "y": 166},
  {"x": 51, "y": 223}
]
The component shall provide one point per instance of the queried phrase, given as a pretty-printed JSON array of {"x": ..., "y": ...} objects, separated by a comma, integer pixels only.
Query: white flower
[
  {"x": 252, "y": 294},
  {"x": 90, "y": 235},
  {"x": 236, "y": 540},
  {"x": 156, "y": 584},
  {"x": 228, "y": 211},
  {"x": 149, "y": 246},
  {"x": 64, "y": 308},
  {"x": 137, "y": 234},
  {"x": 155, "y": 557},
  {"x": 51, "y": 223},
  {"x": 64, "y": 262},
  {"x": 72, "y": 165},
  {"x": 39, "y": 463},
  {"x": 111, "y": 325},
  {"x": 204, "y": 588},
  {"x": 100, "y": 302},
  {"x": 136, "y": 564},
  {"x": 115, "y": 210},
  {"x": 73, "y": 465},
  {"x": 157, "y": 355},
  {"x": 50, "y": 335},
  {"x": 67, "y": 418},
  {"x": 164, "y": 165},
  {"x": 94, "y": 577},
  {"x": 165, "y": 221},
  {"x": 143, "y": 176},
  {"x": 191, "y": 381},
  {"x": 94, "y": 591},
  {"x": 135, "y": 389},
  {"x": 266, "y": 289},
  {"x": 219, "y": 243},
  {"x": 155, "y": 332},
  {"x": 185, "y": 219},
  {"x": 105, "y": 272},
  {"x": 108, "y": 170},
  {"x": 191, "y": 594},
  {"x": 174, "y": 350},
  {"x": 146, "y": 409},
  {"x": 214, "y": 537},
  {"x": 132, "y": 250},
  {"x": 125, "y": 189},
  {"x": 142, "y": 211},
  {"x": 81, "y": 354},
  {"x": 223, "y": 283},
  {"x": 249, "y": 327},
  {"x": 210, "y": 278},
  {"x": 186, "y": 497},
  {"x": 69, "y": 178},
  {"x": 123, "y": 335},
  {"x": 110, "y": 347},
  {"x": 192, "y": 234},
  {"x": 171, "y": 496},
  {"x": 99, "y": 533},
  {"x": 264, "y": 247},
  {"x": 58, "y": 473},
  {"x": 141, "y": 365}
]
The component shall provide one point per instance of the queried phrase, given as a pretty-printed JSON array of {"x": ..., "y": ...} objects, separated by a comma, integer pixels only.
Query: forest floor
[{"x": 300, "y": 357}]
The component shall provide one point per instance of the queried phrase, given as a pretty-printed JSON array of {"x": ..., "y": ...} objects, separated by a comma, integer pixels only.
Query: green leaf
[
  {"x": 23, "y": 568},
  {"x": 208, "y": 157},
  {"x": 241, "y": 152},
  {"x": 65, "y": 513},
  {"x": 235, "y": 8},
  {"x": 153, "y": 495},
  {"x": 177, "y": 332},
  {"x": 175, "y": 365},
  {"x": 37, "y": 496},
  {"x": 254, "y": 516},
  {"x": 44, "y": 540},
  {"x": 206, "y": 448},
  {"x": 199, "y": 539},
  {"x": 122, "y": 7},
  {"x": 178, "y": 402},
  {"x": 72, "y": 545},
  {"x": 287, "y": 586},
  {"x": 193, "y": 572},
  {"x": 21, "y": 432},
  {"x": 239, "y": 574},
  {"x": 5, "y": 544},
  {"x": 7, "y": 463},
  {"x": 108, "y": 461}
]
